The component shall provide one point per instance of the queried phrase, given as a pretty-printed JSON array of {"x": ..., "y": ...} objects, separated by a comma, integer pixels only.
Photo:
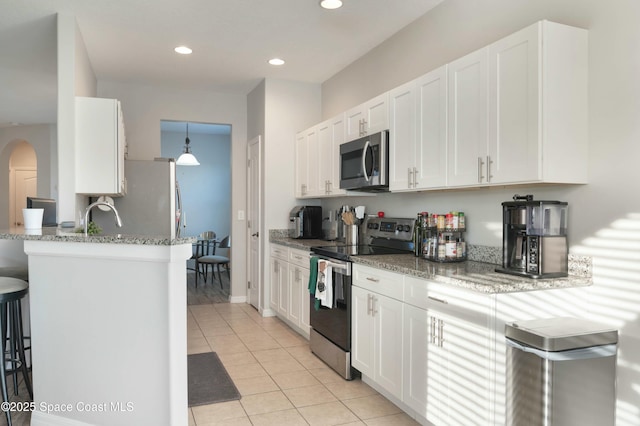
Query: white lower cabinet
[
  {"x": 447, "y": 353},
  {"x": 376, "y": 340},
  {"x": 289, "y": 295}
]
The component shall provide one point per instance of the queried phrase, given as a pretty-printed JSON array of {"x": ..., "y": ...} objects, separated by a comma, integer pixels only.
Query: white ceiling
[{"x": 132, "y": 41}]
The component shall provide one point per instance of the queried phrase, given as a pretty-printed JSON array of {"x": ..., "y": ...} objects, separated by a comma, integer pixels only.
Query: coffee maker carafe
[{"x": 534, "y": 238}]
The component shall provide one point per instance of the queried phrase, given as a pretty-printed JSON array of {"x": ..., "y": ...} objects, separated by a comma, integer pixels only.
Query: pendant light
[{"x": 187, "y": 158}]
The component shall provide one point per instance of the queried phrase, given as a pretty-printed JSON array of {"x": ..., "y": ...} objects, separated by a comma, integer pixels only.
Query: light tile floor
[{"x": 281, "y": 382}]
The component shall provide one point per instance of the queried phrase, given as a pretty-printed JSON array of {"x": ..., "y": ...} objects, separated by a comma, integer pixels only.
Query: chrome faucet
[{"x": 99, "y": 203}]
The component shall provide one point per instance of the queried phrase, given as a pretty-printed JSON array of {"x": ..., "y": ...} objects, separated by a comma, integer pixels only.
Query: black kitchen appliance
[
  {"x": 305, "y": 222},
  {"x": 534, "y": 238},
  {"x": 364, "y": 163},
  {"x": 331, "y": 327}
]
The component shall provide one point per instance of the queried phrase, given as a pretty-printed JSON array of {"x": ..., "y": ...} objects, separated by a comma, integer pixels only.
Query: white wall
[
  {"x": 205, "y": 189},
  {"x": 43, "y": 140},
  {"x": 278, "y": 109},
  {"x": 144, "y": 107},
  {"x": 75, "y": 78},
  {"x": 605, "y": 214}
]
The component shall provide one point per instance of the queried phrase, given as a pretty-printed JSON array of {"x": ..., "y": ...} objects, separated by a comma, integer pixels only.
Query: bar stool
[{"x": 12, "y": 290}]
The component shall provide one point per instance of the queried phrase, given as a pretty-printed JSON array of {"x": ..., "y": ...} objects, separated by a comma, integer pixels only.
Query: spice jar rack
[{"x": 442, "y": 238}]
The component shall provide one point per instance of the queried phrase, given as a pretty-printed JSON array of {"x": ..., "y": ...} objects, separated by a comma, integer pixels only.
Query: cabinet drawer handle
[
  {"x": 435, "y": 299},
  {"x": 375, "y": 280},
  {"x": 480, "y": 167}
]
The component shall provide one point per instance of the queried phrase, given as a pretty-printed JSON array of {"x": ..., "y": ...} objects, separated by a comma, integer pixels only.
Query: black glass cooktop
[{"x": 343, "y": 252}]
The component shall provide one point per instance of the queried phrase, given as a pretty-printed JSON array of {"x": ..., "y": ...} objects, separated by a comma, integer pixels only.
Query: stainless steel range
[{"x": 331, "y": 327}]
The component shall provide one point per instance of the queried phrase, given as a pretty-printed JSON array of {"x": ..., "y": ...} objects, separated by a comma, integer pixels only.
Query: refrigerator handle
[{"x": 179, "y": 218}]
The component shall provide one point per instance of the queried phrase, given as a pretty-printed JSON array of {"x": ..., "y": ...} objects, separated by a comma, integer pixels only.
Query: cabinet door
[
  {"x": 354, "y": 123},
  {"x": 283, "y": 289},
  {"x": 305, "y": 302},
  {"x": 467, "y": 120},
  {"x": 464, "y": 356},
  {"x": 313, "y": 164},
  {"x": 431, "y": 130},
  {"x": 362, "y": 338},
  {"x": 274, "y": 291},
  {"x": 302, "y": 170},
  {"x": 376, "y": 113},
  {"x": 514, "y": 153},
  {"x": 295, "y": 295},
  {"x": 387, "y": 316},
  {"x": 330, "y": 136},
  {"x": 402, "y": 137},
  {"x": 99, "y": 147},
  {"x": 416, "y": 333}
]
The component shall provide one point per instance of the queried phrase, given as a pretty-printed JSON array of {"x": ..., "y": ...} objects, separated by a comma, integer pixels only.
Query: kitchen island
[{"x": 108, "y": 327}]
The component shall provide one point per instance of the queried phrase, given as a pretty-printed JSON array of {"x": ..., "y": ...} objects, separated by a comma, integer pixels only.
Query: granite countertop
[
  {"x": 68, "y": 235},
  {"x": 474, "y": 275}
]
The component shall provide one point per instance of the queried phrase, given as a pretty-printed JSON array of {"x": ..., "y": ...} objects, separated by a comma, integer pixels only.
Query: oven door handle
[
  {"x": 367, "y": 144},
  {"x": 340, "y": 268}
]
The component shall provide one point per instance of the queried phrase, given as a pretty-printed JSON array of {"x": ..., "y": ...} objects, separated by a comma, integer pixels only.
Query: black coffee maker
[{"x": 534, "y": 238}]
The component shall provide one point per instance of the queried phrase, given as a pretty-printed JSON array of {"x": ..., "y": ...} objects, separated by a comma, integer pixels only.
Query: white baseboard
[
  {"x": 237, "y": 299},
  {"x": 268, "y": 312}
]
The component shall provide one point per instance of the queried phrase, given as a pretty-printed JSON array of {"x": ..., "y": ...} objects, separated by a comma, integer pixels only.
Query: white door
[
  {"x": 387, "y": 315},
  {"x": 26, "y": 182},
  {"x": 254, "y": 250},
  {"x": 362, "y": 331}
]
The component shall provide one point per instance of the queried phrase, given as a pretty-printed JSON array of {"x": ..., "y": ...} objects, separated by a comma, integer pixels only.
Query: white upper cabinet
[
  {"x": 330, "y": 136},
  {"x": 306, "y": 166},
  {"x": 518, "y": 109},
  {"x": 418, "y": 130},
  {"x": 367, "y": 118},
  {"x": 100, "y": 147},
  {"x": 467, "y": 135}
]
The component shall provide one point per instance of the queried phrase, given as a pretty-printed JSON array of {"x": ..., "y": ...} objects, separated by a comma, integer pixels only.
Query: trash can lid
[{"x": 561, "y": 334}]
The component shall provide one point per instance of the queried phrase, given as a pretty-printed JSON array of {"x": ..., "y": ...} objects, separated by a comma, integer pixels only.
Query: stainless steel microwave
[{"x": 364, "y": 163}]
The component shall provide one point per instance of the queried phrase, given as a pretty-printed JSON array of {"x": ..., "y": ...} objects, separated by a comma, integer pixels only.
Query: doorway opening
[
  {"x": 23, "y": 181},
  {"x": 205, "y": 191}
]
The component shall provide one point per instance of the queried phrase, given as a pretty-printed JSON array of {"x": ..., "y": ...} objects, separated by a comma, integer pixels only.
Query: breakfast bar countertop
[
  {"x": 473, "y": 275},
  {"x": 69, "y": 235}
]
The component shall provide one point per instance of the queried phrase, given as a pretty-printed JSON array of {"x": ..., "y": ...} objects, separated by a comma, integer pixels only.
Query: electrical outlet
[{"x": 240, "y": 214}]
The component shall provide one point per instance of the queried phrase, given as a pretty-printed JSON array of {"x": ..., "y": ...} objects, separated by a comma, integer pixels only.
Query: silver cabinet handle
[
  {"x": 415, "y": 177},
  {"x": 375, "y": 280},
  {"x": 441, "y": 333},
  {"x": 489, "y": 163},
  {"x": 435, "y": 299},
  {"x": 432, "y": 329},
  {"x": 369, "y": 304},
  {"x": 480, "y": 167},
  {"x": 409, "y": 177},
  {"x": 373, "y": 306},
  {"x": 303, "y": 189}
]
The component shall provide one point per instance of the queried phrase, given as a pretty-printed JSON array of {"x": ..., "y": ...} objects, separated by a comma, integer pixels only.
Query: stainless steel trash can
[{"x": 561, "y": 372}]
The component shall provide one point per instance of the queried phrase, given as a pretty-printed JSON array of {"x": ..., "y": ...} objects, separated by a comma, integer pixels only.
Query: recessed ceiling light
[
  {"x": 331, "y": 4},
  {"x": 183, "y": 50},
  {"x": 276, "y": 61}
]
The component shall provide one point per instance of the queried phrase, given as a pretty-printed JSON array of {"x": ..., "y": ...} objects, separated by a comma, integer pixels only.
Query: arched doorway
[{"x": 23, "y": 178}]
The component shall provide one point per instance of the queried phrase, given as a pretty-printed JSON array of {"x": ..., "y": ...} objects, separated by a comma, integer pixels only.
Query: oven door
[
  {"x": 335, "y": 323},
  {"x": 364, "y": 163}
]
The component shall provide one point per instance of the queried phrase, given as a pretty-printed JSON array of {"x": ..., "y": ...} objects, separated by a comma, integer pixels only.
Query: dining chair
[
  {"x": 204, "y": 246},
  {"x": 216, "y": 260}
]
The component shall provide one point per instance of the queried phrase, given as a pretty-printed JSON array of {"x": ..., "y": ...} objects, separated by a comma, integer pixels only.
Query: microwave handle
[{"x": 364, "y": 160}]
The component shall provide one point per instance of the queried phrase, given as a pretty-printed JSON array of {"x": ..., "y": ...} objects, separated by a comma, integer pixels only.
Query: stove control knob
[
  {"x": 369, "y": 225},
  {"x": 399, "y": 228},
  {"x": 407, "y": 228},
  {"x": 375, "y": 226}
]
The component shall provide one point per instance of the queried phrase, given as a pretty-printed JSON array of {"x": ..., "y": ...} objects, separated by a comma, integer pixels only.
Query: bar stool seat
[
  {"x": 12, "y": 290},
  {"x": 20, "y": 272}
]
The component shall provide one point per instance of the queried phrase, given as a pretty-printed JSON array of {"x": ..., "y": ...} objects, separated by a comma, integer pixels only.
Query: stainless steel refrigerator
[{"x": 152, "y": 205}]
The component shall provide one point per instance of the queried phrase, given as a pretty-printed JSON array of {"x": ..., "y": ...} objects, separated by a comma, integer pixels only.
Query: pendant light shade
[{"x": 187, "y": 158}]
